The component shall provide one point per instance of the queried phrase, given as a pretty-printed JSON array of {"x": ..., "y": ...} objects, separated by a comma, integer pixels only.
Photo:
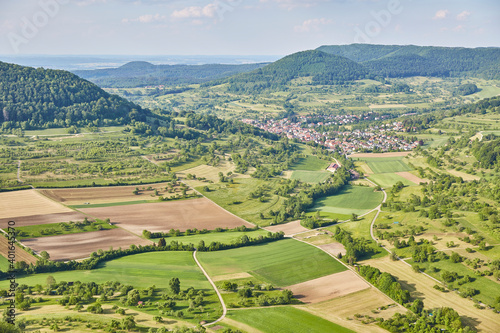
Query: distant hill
[
  {"x": 44, "y": 97},
  {"x": 322, "y": 67},
  {"x": 412, "y": 60},
  {"x": 141, "y": 73}
]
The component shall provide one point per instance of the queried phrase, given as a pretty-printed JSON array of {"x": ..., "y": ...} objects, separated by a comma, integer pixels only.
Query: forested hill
[
  {"x": 141, "y": 73},
  {"x": 40, "y": 97},
  {"x": 412, "y": 60},
  {"x": 322, "y": 67}
]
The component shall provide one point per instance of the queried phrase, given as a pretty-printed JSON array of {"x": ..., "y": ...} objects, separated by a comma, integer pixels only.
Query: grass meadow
[
  {"x": 284, "y": 320},
  {"x": 280, "y": 263},
  {"x": 387, "y": 164},
  {"x": 311, "y": 176},
  {"x": 310, "y": 163},
  {"x": 387, "y": 180},
  {"x": 352, "y": 199}
]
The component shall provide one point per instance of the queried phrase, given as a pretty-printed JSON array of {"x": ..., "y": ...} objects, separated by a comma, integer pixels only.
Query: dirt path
[{"x": 224, "y": 308}]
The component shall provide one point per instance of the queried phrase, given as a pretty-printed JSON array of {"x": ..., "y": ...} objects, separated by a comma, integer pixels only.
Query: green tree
[{"x": 175, "y": 285}]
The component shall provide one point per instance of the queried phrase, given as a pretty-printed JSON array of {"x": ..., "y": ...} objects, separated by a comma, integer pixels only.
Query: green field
[
  {"x": 235, "y": 198},
  {"x": 352, "y": 199},
  {"x": 387, "y": 180},
  {"x": 140, "y": 270},
  {"x": 311, "y": 176},
  {"x": 310, "y": 163},
  {"x": 53, "y": 229},
  {"x": 285, "y": 320},
  {"x": 223, "y": 237},
  {"x": 281, "y": 263},
  {"x": 387, "y": 164}
]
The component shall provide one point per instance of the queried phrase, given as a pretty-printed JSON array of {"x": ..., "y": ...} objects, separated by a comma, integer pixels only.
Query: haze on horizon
[{"x": 239, "y": 27}]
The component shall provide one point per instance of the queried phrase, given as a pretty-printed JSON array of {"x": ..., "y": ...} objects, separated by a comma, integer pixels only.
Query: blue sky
[{"x": 239, "y": 27}]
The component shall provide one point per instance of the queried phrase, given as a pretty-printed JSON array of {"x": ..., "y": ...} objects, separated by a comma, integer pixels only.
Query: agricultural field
[
  {"x": 310, "y": 163},
  {"x": 310, "y": 176},
  {"x": 111, "y": 194},
  {"x": 328, "y": 287},
  {"x": 156, "y": 217},
  {"x": 81, "y": 245},
  {"x": 20, "y": 254},
  {"x": 235, "y": 198},
  {"x": 24, "y": 221},
  {"x": 53, "y": 229},
  {"x": 387, "y": 180},
  {"x": 352, "y": 199},
  {"x": 280, "y": 263},
  {"x": 387, "y": 164},
  {"x": 15, "y": 204},
  {"x": 285, "y": 320},
  {"x": 289, "y": 228},
  {"x": 143, "y": 271}
]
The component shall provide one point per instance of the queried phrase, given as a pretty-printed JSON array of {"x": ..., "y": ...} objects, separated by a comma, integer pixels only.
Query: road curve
[{"x": 224, "y": 308}]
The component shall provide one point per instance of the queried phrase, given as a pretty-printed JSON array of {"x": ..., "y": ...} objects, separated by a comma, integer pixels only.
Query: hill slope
[
  {"x": 322, "y": 67},
  {"x": 412, "y": 60},
  {"x": 45, "y": 97},
  {"x": 141, "y": 73}
]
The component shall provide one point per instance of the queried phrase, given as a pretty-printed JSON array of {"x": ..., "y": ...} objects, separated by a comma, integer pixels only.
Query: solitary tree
[{"x": 175, "y": 285}]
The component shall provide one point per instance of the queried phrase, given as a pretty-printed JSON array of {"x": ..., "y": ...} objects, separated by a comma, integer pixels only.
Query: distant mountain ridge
[
  {"x": 321, "y": 67},
  {"x": 412, "y": 60},
  {"x": 142, "y": 73},
  {"x": 44, "y": 97}
]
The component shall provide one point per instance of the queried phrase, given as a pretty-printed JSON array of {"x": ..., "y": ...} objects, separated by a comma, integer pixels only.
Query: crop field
[
  {"x": 21, "y": 255},
  {"x": 24, "y": 221},
  {"x": 352, "y": 199},
  {"x": 285, "y": 320},
  {"x": 235, "y": 198},
  {"x": 27, "y": 202},
  {"x": 78, "y": 246},
  {"x": 387, "y": 164},
  {"x": 387, "y": 180},
  {"x": 411, "y": 177},
  {"x": 110, "y": 194},
  {"x": 163, "y": 216},
  {"x": 288, "y": 228},
  {"x": 310, "y": 163},
  {"x": 311, "y": 176},
  {"x": 209, "y": 172},
  {"x": 328, "y": 287},
  {"x": 364, "y": 156},
  {"x": 280, "y": 263}
]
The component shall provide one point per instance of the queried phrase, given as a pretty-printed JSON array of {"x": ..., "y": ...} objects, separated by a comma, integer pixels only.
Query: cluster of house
[{"x": 373, "y": 138}]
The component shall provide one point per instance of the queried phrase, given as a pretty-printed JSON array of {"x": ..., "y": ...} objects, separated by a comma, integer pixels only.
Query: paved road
[{"x": 224, "y": 308}]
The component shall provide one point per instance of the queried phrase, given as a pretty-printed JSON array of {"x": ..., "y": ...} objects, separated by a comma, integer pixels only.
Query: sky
[{"x": 239, "y": 27}]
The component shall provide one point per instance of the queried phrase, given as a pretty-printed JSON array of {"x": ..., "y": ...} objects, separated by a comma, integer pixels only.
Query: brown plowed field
[
  {"x": 21, "y": 255},
  {"x": 109, "y": 194},
  {"x": 23, "y": 221},
  {"x": 289, "y": 228},
  {"x": 328, "y": 287},
  {"x": 163, "y": 216},
  {"x": 333, "y": 248},
  {"x": 27, "y": 202},
  {"x": 81, "y": 245}
]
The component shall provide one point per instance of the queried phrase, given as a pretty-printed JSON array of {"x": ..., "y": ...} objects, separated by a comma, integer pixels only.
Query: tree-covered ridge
[
  {"x": 412, "y": 60},
  {"x": 141, "y": 73},
  {"x": 43, "y": 97},
  {"x": 323, "y": 68}
]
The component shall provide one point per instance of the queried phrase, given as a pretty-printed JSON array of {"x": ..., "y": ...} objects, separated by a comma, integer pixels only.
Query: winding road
[{"x": 224, "y": 308}]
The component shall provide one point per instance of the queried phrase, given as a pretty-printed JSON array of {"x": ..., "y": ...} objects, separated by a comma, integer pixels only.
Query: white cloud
[
  {"x": 196, "y": 12},
  {"x": 463, "y": 15},
  {"x": 312, "y": 25},
  {"x": 459, "y": 28},
  {"x": 148, "y": 18},
  {"x": 441, "y": 14},
  {"x": 292, "y": 4}
]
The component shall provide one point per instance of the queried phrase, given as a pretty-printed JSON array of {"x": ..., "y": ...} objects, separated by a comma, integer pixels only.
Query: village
[{"x": 373, "y": 138}]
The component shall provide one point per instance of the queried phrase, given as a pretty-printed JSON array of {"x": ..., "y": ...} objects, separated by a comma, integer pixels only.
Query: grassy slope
[
  {"x": 281, "y": 263},
  {"x": 310, "y": 176},
  {"x": 352, "y": 199},
  {"x": 285, "y": 320},
  {"x": 310, "y": 163}
]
